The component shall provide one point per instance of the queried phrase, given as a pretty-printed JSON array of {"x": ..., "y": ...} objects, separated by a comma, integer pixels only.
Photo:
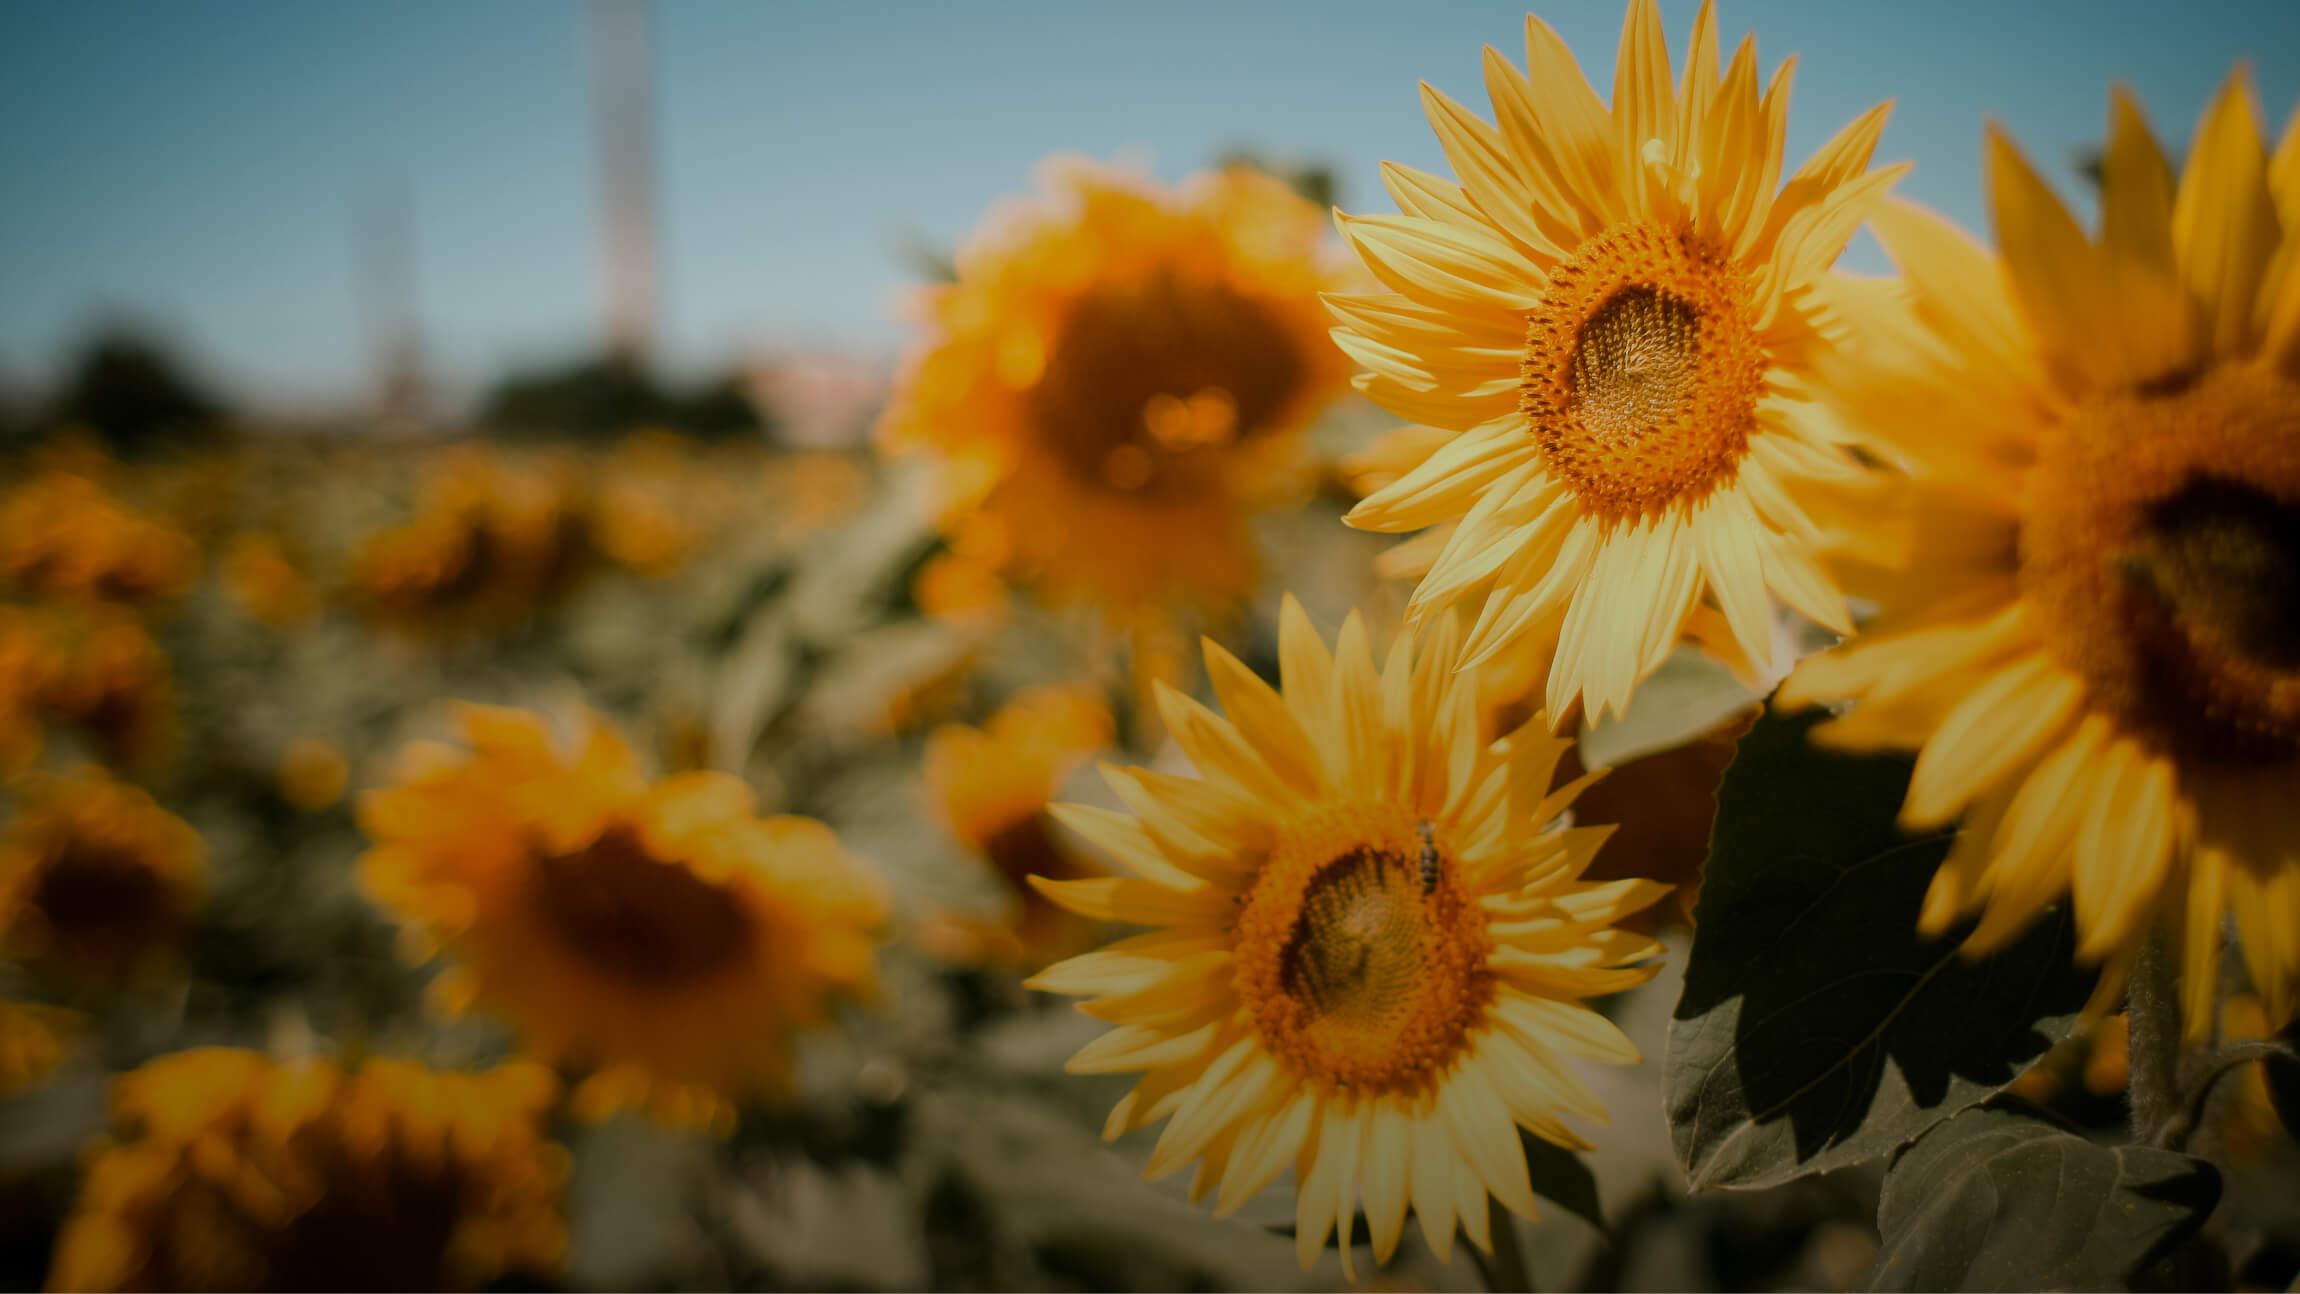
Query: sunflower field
[{"x": 1539, "y": 735}]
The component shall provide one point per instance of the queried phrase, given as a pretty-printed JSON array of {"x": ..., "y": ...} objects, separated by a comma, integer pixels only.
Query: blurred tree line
[{"x": 138, "y": 393}]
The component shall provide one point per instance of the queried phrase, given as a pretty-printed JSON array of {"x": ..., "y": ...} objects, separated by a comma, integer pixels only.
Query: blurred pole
[
  {"x": 388, "y": 302},
  {"x": 623, "y": 117}
]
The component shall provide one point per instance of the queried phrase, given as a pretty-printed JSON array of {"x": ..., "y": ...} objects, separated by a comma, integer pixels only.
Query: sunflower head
[
  {"x": 991, "y": 785},
  {"x": 619, "y": 923},
  {"x": 1118, "y": 375},
  {"x": 313, "y": 774},
  {"x": 97, "y": 882},
  {"x": 227, "y": 1170},
  {"x": 2084, "y": 563},
  {"x": 492, "y": 540},
  {"x": 64, "y": 535},
  {"x": 109, "y": 679},
  {"x": 1370, "y": 942},
  {"x": 265, "y": 583},
  {"x": 1603, "y": 329}
]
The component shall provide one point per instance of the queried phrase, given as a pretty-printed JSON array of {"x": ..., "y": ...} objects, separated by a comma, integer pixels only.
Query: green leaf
[
  {"x": 1995, "y": 1199},
  {"x": 1816, "y": 1028},
  {"x": 2283, "y": 1075},
  {"x": 1563, "y": 1178},
  {"x": 1689, "y": 695}
]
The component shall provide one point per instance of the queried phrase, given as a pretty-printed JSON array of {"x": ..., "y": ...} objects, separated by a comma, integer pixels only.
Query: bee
[{"x": 1430, "y": 861}]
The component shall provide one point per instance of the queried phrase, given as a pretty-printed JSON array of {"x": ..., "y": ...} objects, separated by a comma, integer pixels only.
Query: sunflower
[
  {"x": 620, "y": 925},
  {"x": 27, "y": 664},
  {"x": 105, "y": 676},
  {"x": 97, "y": 882},
  {"x": 493, "y": 539},
  {"x": 64, "y": 535},
  {"x": 990, "y": 787},
  {"x": 34, "y": 1041},
  {"x": 2084, "y": 578},
  {"x": 1118, "y": 376},
  {"x": 265, "y": 583},
  {"x": 1372, "y": 943},
  {"x": 1605, "y": 332},
  {"x": 313, "y": 774},
  {"x": 231, "y": 1171}
]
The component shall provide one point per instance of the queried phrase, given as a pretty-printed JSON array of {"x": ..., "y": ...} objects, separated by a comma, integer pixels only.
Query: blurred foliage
[
  {"x": 607, "y": 395},
  {"x": 131, "y": 388}
]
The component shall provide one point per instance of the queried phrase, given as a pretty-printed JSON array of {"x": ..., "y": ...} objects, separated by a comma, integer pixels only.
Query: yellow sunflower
[
  {"x": 493, "y": 539},
  {"x": 313, "y": 774},
  {"x": 265, "y": 583},
  {"x": 1372, "y": 944},
  {"x": 34, "y": 1041},
  {"x": 659, "y": 934},
  {"x": 27, "y": 665},
  {"x": 230, "y": 1171},
  {"x": 1119, "y": 375},
  {"x": 64, "y": 535},
  {"x": 991, "y": 785},
  {"x": 2085, "y": 578},
  {"x": 97, "y": 882},
  {"x": 1606, "y": 330},
  {"x": 106, "y": 677}
]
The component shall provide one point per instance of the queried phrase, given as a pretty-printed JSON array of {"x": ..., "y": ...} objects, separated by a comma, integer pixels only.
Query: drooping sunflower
[
  {"x": 230, "y": 1171},
  {"x": 1118, "y": 376},
  {"x": 1604, "y": 332},
  {"x": 1372, "y": 945},
  {"x": 64, "y": 535},
  {"x": 97, "y": 882},
  {"x": 2085, "y": 578},
  {"x": 991, "y": 786},
  {"x": 34, "y": 1041},
  {"x": 658, "y": 934}
]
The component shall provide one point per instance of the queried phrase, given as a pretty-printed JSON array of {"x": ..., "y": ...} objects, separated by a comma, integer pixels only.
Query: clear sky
[{"x": 203, "y": 165}]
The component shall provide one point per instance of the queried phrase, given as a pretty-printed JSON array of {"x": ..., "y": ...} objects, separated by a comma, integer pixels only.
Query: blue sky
[{"x": 203, "y": 165}]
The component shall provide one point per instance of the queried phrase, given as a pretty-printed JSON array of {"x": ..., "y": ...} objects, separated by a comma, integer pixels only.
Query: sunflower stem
[
  {"x": 2152, "y": 1006},
  {"x": 1505, "y": 1271}
]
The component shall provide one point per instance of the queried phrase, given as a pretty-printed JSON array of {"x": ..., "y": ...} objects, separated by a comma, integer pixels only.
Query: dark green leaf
[
  {"x": 1995, "y": 1199},
  {"x": 1816, "y": 1029},
  {"x": 1563, "y": 1178},
  {"x": 2283, "y": 1074}
]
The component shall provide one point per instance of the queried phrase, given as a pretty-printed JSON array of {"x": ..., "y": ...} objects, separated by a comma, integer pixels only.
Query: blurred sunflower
[
  {"x": 230, "y": 1171},
  {"x": 1604, "y": 334},
  {"x": 106, "y": 677},
  {"x": 493, "y": 539},
  {"x": 2086, "y": 618},
  {"x": 267, "y": 585},
  {"x": 620, "y": 925},
  {"x": 27, "y": 663},
  {"x": 34, "y": 1041},
  {"x": 97, "y": 882},
  {"x": 1372, "y": 943},
  {"x": 313, "y": 774},
  {"x": 64, "y": 535},
  {"x": 638, "y": 511},
  {"x": 1117, "y": 377},
  {"x": 990, "y": 787}
]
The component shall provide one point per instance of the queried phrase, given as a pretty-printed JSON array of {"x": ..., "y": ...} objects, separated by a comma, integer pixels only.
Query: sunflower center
[
  {"x": 1147, "y": 381},
  {"x": 2163, "y": 550},
  {"x": 102, "y": 905},
  {"x": 649, "y": 923},
  {"x": 1361, "y": 957},
  {"x": 1642, "y": 371}
]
